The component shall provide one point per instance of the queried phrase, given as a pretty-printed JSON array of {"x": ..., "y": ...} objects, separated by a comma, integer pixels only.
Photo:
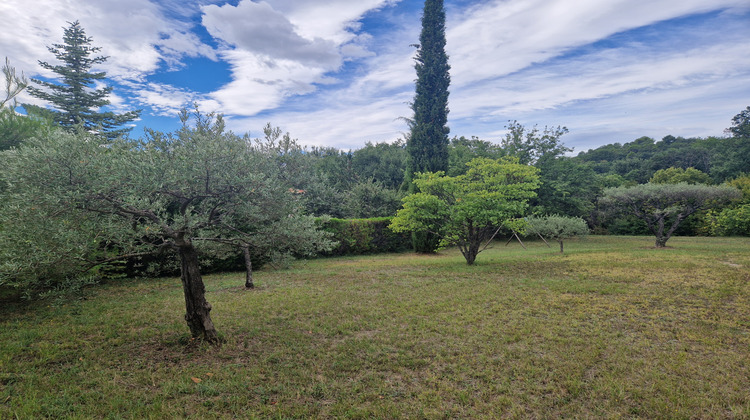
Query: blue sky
[{"x": 340, "y": 72}]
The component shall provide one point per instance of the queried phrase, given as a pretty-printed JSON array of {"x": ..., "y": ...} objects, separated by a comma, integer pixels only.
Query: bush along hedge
[{"x": 365, "y": 236}]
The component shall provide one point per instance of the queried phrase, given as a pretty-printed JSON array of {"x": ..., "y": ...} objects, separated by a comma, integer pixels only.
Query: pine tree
[
  {"x": 76, "y": 101},
  {"x": 427, "y": 145}
]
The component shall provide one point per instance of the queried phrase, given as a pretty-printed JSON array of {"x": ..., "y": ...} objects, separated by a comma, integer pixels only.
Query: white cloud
[
  {"x": 341, "y": 126},
  {"x": 259, "y": 29},
  {"x": 279, "y": 49},
  {"x": 503, "y": 36},
  {"x": 135, "y": 35}
]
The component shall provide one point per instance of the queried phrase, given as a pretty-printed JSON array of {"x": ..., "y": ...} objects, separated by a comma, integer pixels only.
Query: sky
[{"x": 340, "y": 73}]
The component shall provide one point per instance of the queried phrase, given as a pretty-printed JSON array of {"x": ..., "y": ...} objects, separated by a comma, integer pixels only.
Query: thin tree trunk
[
  {"x": 197, "y": 308},
  {"x": 561, "y": 246},
  {"x": 248, "y": 268}
]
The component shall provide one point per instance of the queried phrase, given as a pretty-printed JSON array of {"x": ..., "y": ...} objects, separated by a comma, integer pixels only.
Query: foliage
[
  {"x": 384, "y": 163},
  {"x": 427, "y": 145},
  {"x": 557, "y": 227},
  {"x": 637, "y": 161},
  {"x": 14, "y": 85},
  {"x": 731, "y": 221},
  {"x": 665, "y": 206},
  {"x": 369, "y": 198},
  {"x": 734, "y": 219},
  {"x": 15, "y": 128},
  {"x": 678, "y": 175},
  {"x": 462, "y": 150},
  {"x": 531, "y": 146},
  {"x": 741, "y": 124},
  {"x": 365, "y": 236},
  {"x": 742, "y": 183},
  {"x": 76, "y": 100},
  {"x": 467, "y": 210},
  {"x": 165, "y": 191},
  {"x": 567, "y": 187}
]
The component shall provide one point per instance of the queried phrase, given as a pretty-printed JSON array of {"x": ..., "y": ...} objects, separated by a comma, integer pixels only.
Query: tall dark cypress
[
  {"x": 427, "y": 145},
  {"x": 428, "y": 142},
  {"x": 76, "y": 101}
]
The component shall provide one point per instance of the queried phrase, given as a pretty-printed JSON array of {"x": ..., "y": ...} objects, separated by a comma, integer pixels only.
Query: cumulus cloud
[
  {"x": 136, "y": 35},
  {"x": 279, "y": 49},
  {"x": 258, "y": 28}
]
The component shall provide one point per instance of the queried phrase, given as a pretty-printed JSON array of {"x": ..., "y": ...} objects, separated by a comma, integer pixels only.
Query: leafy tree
[
  {"x": 664, "y": 206},
  {"x": 678, "y": 175},
  {"x": 75, "y": 99},
  {"x": 557, "y": 227},
  {"x": 534, "y": 146},
  {"x": 462, "y": 150},
  {"x": 170, "y": 191},
  {"x": 384, "y": 163},
  {"x": 468, "y": 210},
  {"x": 568, "y": 187},
  {"x": 741, "y": 124},
  {"x": 735, "y": 158}
]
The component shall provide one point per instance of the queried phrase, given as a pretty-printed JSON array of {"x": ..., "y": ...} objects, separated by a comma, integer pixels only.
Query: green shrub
[{"x": 365, "y": 236}]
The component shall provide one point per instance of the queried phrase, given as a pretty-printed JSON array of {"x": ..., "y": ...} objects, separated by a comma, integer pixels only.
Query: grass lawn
[{"x": 612, "y": 329}]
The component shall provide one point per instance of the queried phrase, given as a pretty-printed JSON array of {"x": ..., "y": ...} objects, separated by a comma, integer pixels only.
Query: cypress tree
[
  {"x": 76, "y": 102},
  {"x": 427, "y": 145}
]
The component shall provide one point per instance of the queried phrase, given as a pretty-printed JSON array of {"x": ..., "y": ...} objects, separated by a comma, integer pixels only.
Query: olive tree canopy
[
  {"x": 72, "y": 202},
  {"x": 664, "y": 206}
]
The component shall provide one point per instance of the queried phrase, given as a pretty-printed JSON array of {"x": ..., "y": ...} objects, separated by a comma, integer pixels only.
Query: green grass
[{"x": 612, "y": 329}]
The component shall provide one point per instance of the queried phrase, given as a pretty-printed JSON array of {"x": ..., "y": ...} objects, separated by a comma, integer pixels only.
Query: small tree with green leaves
[
  {"x": 468, "y": 210},
  {"x": 664, "y": 206},
  {"x": 557, "y": 227},
  {"x": 75, "y": 99}
]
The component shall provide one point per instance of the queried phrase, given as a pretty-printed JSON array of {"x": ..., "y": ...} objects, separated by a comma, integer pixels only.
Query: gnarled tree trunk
[{"x": 198, "y": 309}]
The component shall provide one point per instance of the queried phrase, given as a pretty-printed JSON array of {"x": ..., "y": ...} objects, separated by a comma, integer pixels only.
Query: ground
[{"x": 613, "y": 328}]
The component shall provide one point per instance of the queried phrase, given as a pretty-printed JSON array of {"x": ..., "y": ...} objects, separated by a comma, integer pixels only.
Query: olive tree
[
  {"x": 664, "y": 206},
  {"x": 557, "y": 227},
  {"x": 468, "y": 210},
  {"x": 131, "y": 197}
]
